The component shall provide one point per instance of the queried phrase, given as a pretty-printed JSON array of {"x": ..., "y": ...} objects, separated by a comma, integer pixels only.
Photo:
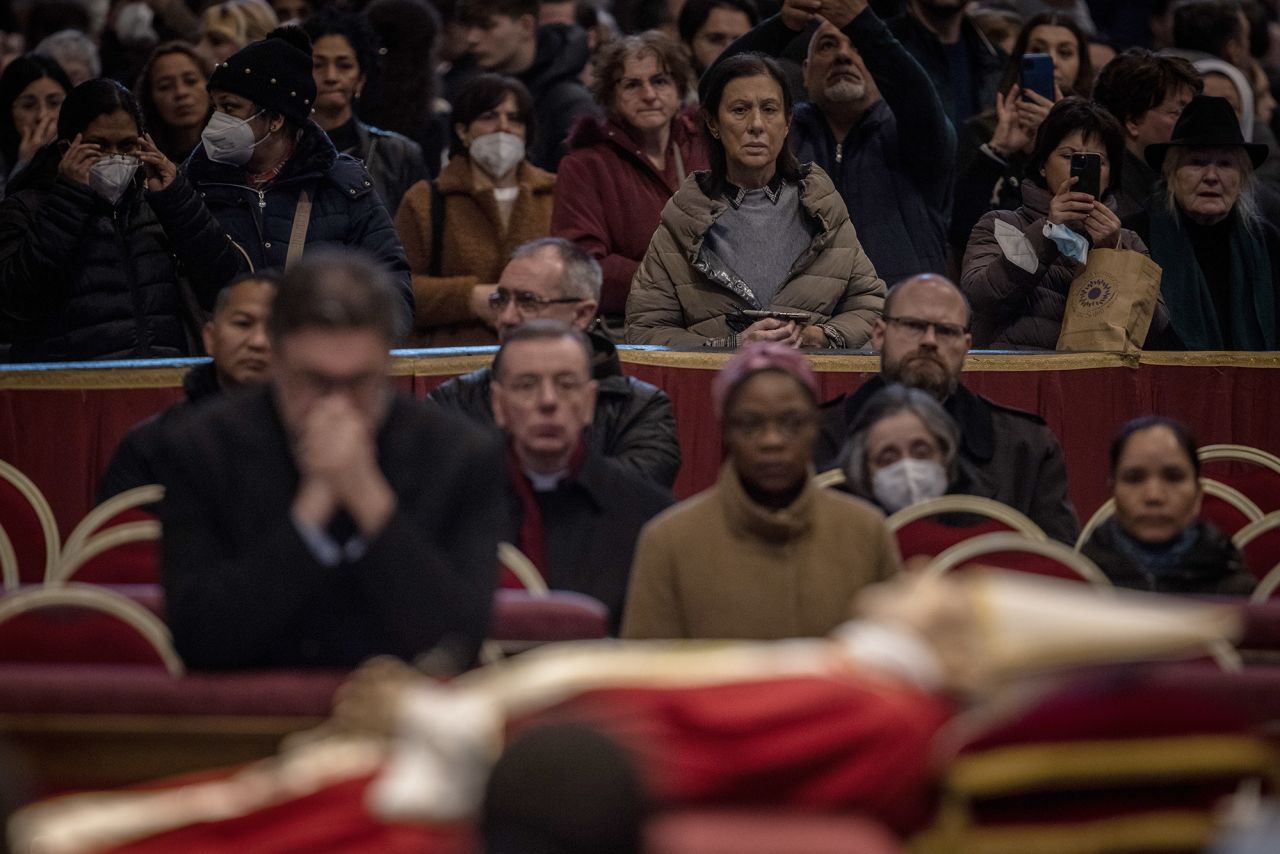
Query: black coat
[
  {"x": 590, "y": 524},
  {"x": 136, "y": 461},
  {"x": 1212, "y": 566},
  {"x": 243, "y": 590},
  {"x": 1006, "y": 454},
  {"x": 394, "y": 161},
  {"x": 346, "y": 211},
  {"x": 559, "y": 97},
  {"x": 82, "y": 279},
  {"x": 633, "y": 422}
]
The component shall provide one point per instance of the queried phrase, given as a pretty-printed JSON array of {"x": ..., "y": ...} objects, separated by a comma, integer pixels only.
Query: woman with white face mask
[
  {"x": 459, "y": 231},
  {"x": 902, "y": 449},
  {"x": 93, "y": 235}
]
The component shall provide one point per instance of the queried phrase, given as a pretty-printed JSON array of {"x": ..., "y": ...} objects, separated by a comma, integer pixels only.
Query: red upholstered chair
[
  {"x": 1009, "y": 550},
  {"x": 1259, "y": 542},
  {"x": 1253, "y": 472},
  {"x": 117, "y": 542},
  {"x": 919, "y": 532},
  {"x": 30, "y": 541},
  {"x": 1107, "y": 763},
  {"x": 82, "y": 624},
  {"x": 1224, "y": 506}
]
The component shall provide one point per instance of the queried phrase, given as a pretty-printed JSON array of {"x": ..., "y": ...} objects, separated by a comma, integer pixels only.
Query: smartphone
[
  {"x": 1088, "y": 168},
  {"x": 797, "y": 316},
  {"x": 1037, "y": 74}
]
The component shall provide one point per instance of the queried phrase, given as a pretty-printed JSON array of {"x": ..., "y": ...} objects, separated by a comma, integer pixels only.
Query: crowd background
[{"x": 486, "y": 123}]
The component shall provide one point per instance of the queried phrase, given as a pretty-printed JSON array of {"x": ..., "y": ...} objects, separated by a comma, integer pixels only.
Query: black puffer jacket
[
  {"x": 634, "y": 423},
  {"x": 81, "y": 279},
  {"x": 345, "y": 210},
  {"x": 1212, "y": 566},
  {"x": 559, "y": 98}
]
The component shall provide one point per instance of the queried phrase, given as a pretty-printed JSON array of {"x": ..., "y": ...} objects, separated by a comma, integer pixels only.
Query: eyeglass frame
[
  {"x": 941, "y": 331},
  {"x": 534, "y": 304}
]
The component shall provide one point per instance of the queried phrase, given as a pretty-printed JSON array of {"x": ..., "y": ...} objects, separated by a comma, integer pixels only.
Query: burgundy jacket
[{"x": 609, "y": 198}]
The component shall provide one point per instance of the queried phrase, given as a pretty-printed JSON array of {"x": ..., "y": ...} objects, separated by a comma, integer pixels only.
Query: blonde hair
[
  {"x": 1246, "y": 203},
  {"x": 241, "y": 21}
]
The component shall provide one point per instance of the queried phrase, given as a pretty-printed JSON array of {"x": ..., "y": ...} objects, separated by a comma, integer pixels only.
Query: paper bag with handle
[{"x": 1110, "y": 304}]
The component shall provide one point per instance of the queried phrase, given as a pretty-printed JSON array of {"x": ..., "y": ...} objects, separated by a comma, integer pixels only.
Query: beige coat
[
  {"x": 721, "y": 566},
  {"x": 680, "y": 298}
]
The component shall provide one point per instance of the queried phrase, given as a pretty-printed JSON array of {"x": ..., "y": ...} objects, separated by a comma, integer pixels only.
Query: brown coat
[
  {"x": 721, "y": 566},
  {"x": 475, "y": 247},
  {"x": 681, "y": 298}
]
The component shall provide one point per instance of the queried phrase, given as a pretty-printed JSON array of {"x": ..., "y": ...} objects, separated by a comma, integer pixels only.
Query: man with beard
[
  {"x": 962, "y": 62},
  {"x": 1005, "y": 454},
  {"x": 874, "y": 123}
]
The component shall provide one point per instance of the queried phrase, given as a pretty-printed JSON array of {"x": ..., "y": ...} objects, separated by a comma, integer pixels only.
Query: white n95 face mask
[
  {"x": 229, "y": 140},
  {"x": 907, "y": 482},
  {"x": 111, "y": 175},
  {"x": 497, "y": 153}
]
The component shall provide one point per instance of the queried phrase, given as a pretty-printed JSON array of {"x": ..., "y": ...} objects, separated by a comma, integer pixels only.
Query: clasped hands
[
  {"x": 797, "y": 14},
  {"x": 336, "y": 455}
]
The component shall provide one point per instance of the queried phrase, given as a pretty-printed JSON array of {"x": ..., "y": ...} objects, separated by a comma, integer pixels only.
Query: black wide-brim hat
[{"x": 1207, "y": 122}]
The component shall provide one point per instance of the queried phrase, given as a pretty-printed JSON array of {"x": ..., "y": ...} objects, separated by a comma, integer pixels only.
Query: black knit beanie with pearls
[{"x": 274, "y": 73}]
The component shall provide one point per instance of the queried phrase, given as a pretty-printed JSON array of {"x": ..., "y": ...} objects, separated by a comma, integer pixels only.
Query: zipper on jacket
[
  {"x": 131, "y": 272},
  {"x": 839, "y": 152},
  {"x": 262, "y": 200}
]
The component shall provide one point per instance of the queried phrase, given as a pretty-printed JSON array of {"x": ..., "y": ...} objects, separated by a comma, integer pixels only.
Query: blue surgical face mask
[{"x": 229, "y": 140}]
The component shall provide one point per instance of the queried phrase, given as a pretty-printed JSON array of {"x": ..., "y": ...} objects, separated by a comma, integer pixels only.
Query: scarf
[
  {"x": 1157, "y": 559},
  {"x": 533, "y": 533},
  {"x": 1186, "y": 292}
]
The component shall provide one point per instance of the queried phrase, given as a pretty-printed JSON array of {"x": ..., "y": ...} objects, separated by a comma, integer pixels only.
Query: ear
[
  {"x": 1131, "y": 129},
  {"x": 583, "y": 313},
  {"x": 529, "y": 23},
  {"x": 461, "y": 130},
  {"x": 497, "y": 402},
  {"x": 877, "y": 334},
  {"x": 360, "y": 84},
  {"x": 593, "y": 389},
  {"x": 206, "y": 336}
]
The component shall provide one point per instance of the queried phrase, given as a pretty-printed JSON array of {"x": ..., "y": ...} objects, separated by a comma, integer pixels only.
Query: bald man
[{"x": 1005, "y": 454}]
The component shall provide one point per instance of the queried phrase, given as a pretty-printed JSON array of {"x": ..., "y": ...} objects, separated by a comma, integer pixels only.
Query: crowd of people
[
  {"x": 742, "y": 170},
  {"x": 294, "y": 188}
]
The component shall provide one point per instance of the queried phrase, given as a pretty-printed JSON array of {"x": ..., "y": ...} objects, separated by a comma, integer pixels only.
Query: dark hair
[
  {"x": 1181, "y": 432},
  {"x": 53, "y": 16},
  {"x": 269, "y": 275},
  {"x": 694, "y": 13},
  {"x": 160, "y": 131},
  {"x": 1138, "y": 80},
  {"x": 403, "y": 91},
  {"x": 485, "y": 92},
  {"x": 17, "y": 76},
  {"x": 1083, "y": 84},
  {"x": 334, "y": 288},
  {"x": 542, "y": 329},
  {"x": 94, "y": 98},
  {"x": 478, "y": 12},
  {"x": 612, "y": 58},
  {"x": 1206, "y": 25},
  {"x": 356, "y": 29},
  {"x": 712, "y": 87},
  {"x": 1072, "y": 114}
]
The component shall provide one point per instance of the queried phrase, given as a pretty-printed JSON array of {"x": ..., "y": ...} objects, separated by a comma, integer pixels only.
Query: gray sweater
[{"x": 760, "y": 236}]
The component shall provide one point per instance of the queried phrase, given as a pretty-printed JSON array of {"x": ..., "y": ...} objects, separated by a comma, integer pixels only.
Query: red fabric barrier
[{"x": 61, "y": 426}]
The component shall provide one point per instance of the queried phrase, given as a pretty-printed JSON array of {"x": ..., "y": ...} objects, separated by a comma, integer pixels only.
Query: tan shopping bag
[{"x": 1110, "y": 304}]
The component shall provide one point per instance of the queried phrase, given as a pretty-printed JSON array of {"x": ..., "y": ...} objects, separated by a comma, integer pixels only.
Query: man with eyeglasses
[
  {"x": 321, "y": 519},
  {"x": 1005, "y": 454},
  {"x": 574, "y": 513},
  {"x": 552, "y": 279}
]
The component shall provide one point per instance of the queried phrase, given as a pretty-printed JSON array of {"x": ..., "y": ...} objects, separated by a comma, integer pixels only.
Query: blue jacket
[
  {"x": 895, "y": 168},
  {"x": 345, "y": 208}
]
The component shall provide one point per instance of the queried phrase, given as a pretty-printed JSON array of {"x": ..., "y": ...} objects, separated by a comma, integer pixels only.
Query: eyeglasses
[
  {"x": 526, "y": 303},
  {"x": 789, "y": 424},
  {"x": 528, "y": 388},
  {"x": 917, "y": 328},
  {"x": 635, "y": 85}
]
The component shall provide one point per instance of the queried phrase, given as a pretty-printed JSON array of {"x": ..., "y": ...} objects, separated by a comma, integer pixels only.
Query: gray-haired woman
[
  {"x": 1221, "y": 260},
  {"x": 902, "y": 449}
]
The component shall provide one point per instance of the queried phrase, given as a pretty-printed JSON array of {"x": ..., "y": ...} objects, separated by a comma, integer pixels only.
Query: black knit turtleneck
[{"x": 1212, "y": 245}]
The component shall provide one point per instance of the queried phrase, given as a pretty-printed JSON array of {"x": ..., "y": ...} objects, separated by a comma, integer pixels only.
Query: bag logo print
[{"x": 1095, "y": 296}]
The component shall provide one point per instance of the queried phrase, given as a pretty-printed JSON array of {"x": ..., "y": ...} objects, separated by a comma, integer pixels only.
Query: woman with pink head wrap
[{"x": 763, "y": 553}]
